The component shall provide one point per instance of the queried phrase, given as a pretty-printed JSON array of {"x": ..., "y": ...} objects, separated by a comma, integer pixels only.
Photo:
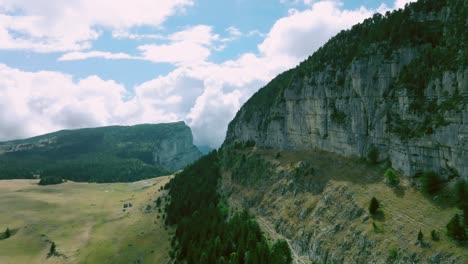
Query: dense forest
[{"x": 206, "y": 230}]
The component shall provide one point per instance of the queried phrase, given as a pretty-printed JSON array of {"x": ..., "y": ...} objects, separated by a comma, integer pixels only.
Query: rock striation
[{"x": 352, "y": 108}]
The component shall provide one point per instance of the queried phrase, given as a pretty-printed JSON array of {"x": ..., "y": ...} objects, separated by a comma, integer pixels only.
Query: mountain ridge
[{"x": 145, "y": 150}]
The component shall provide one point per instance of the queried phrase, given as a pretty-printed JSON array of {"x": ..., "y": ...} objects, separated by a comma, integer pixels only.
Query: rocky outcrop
[{"x": 177, "y": 151}]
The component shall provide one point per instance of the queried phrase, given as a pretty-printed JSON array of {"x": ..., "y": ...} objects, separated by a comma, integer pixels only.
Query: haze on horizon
[{"x": 82, "y": 63}]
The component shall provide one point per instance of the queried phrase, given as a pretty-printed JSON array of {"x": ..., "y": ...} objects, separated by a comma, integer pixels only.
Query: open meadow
[{"x": 87, "y": 222}]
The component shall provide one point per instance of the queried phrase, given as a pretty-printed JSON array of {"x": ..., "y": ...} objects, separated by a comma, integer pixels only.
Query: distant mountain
[
  {"x": 205, "y": 149},
  {"x": 104, "y": 154}
]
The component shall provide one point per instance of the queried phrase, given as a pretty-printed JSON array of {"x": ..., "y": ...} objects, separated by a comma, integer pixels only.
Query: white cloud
[
  {"x": 204, "y": 94},
  {"x": 187, "y": 47},
  {"x": 401, "y": 3},
  {"x": 56, "y": 25},
  {"x": 77, "y": 55},
  {"x": 302, "y": 32}
]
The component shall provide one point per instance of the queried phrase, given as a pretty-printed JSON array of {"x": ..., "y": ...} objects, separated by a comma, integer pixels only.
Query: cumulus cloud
[
  {"x": 204, "y": 94},
  {"x": 33, "y": 103},
  {"x": 189, "y": 46},
  {"x": 56, "y": 25},
  {"x": 302, "y": 32}
]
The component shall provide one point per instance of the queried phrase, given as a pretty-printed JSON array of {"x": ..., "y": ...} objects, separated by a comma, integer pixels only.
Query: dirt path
[{"x": 265, "y": 225}]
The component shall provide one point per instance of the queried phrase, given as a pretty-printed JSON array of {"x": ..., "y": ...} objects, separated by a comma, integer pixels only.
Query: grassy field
[{"x": 87, "y": 222}]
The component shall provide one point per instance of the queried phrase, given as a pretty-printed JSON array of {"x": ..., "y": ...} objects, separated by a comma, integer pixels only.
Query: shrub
[
  {"x": 53, "y": 250},
  {"x": 392, "y": 254},
  {"x": 431, "y": 183},
  {"x": 455, "y": 229},
  {"x": 374, "y": 206},
  {"x": 7, "y": 233},
  {"x": 392, "y": 177},
  {"x": 373, "y": 155},
  {"x": 50, "y": 180}
]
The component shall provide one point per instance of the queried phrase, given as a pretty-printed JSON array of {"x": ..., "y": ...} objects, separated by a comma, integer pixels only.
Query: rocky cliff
[
  {"x": 177, "y": 151},
  {"x": 405, "y": 97}
]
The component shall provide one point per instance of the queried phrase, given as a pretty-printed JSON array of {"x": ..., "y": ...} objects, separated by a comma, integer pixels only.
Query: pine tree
[
  {"x": 373, "y": 206},
  {"x": 455, "y": 229},
  {"x": 7, "y": 233},
  {"x": 420, "y": 236}
]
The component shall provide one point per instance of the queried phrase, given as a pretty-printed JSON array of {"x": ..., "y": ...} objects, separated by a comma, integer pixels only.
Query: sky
[{"x": 87, "y": 63}]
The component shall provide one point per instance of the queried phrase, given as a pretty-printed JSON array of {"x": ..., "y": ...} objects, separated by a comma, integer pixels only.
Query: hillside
[
  {"x": 396, "y": 84},
  {"x": 104, "y": 154}
]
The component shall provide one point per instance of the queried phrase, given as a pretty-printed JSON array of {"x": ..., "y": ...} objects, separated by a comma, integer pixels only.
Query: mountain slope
[
  {"x": 104, "y": 154},
  {"x": 396, "y": 83}
]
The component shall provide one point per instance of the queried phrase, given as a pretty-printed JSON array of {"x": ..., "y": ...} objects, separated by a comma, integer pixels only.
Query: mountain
[
  {"x": 395, "y": 85},
  {"x": 103, "y": 154},
  {"x": 379, "y": 113}
]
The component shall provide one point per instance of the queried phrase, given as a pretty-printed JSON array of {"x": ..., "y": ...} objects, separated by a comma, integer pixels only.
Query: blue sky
[{"x": 71, "y": 64}]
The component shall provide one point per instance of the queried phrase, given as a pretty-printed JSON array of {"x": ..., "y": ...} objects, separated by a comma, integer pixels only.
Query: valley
[{"x": 87, "y": 222}]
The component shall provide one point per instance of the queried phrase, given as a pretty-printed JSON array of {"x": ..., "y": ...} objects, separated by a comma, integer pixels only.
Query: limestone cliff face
[
  {"x": 176, "y": 151},
  {"x": 404, "y": 94},
  {"x": 315, "y": 112}
]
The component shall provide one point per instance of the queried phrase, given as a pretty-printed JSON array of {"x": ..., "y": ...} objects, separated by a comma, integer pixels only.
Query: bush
[
  {"x": 374, "y": 206},
  {"x": 455, "y": 229},
  {"x": 392, "y": 177},
  {"x": 53, "y": 250},
  {"x": 431, "y": 183},
  {"x": 373, "y": 155},
  {"x": 435, "y": 235},
  {"x": 392, "y": 254},
  {"x": 461, "y": 190}
]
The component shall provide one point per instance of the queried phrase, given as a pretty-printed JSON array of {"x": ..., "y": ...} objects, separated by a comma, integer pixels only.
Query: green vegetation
[
  {"x": 6, "y": 234},
  {"x": 105, "y": 154},
  {"x": 420, "y": 236},
  {"x": 374, "y": 206},
  {"x": 392, "y": 254},
  {"x": 205, "y": 232},
  {"x": 435, "y": 235},
  {"x": 373, "y": 155},
  {"x": 461, "y": 190},
  {"x": 455, "y": 229},
  {"x": 431, "y": 183},
  {"x": 53, "y": 250},
  {"x": 392, "y": 177},
  {"x": 50, "y": 180}
]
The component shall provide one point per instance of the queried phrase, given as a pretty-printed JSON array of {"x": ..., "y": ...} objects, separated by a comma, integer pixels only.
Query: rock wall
[
  {"x": 352, "y": 116},
  {"x": 177, "y": 151}
]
